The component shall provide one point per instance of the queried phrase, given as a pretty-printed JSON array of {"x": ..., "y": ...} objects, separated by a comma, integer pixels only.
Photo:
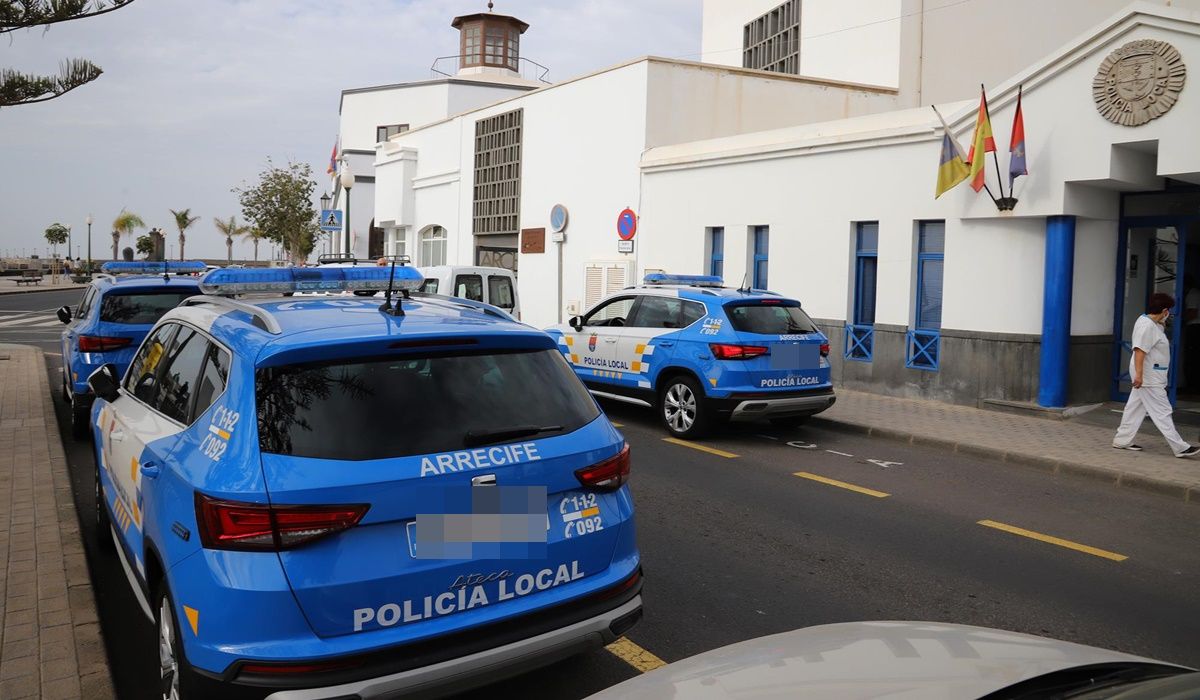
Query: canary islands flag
[
  {"x": 981, "y": 144},
  {"x": 1016, "y": 147},
  {"x": 951, "y": 168},
  {"x": 333, "y": 160}
]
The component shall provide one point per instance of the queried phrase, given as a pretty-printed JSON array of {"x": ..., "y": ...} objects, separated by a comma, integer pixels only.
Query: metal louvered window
[
  {"x": 602, "y": 279},
  {"x": 497, "y": 191},
  {"x": 772, "y": 42}
]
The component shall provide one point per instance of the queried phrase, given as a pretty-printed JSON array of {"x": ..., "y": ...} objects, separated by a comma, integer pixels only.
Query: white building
[
  {"x": 777, "y": 177},
  {"x": 487, "y": 68}
]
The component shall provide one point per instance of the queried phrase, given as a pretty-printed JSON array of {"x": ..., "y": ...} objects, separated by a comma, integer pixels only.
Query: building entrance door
[{"x": 1160, "y": 254}]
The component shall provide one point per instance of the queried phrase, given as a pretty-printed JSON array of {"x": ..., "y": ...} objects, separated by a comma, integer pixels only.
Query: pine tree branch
[
  {"x": 18, "y": 88},
  {"x": 23, "y": 14}
]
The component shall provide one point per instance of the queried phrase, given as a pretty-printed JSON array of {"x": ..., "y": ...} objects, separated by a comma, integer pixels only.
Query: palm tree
[
  {"x": 183, "y": 221},
  {"x": 125, "y": 223},
  {"x": 255, "y": 236},
  {"x": 230, "y": 229}
]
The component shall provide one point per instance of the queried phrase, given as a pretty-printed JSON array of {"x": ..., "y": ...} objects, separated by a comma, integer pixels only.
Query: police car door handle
[
  {"x": 610, "y": 340},
  {"x": 665, "y": 343},
  {"x": 116, "y": 435},
  {"x": 149, "y": 470}
]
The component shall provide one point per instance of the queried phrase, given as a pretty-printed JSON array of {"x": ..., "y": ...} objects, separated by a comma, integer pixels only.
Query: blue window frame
[
  {"x": 761, "y": 249},
  {"x": 716, "y": 244},
  {"x": 860, "y": 332},
  {"x": 923, "y": 346}
]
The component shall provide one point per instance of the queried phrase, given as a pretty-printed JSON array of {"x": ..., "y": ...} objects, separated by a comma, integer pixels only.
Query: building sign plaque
[{"x": 1139, "y": 82}]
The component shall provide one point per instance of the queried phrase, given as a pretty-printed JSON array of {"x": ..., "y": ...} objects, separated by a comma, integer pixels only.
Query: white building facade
[{"x": 822, "y": 189}]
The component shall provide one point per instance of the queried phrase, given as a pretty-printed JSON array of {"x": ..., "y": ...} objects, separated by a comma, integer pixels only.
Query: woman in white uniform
[{"x": 1149, "y": 368}]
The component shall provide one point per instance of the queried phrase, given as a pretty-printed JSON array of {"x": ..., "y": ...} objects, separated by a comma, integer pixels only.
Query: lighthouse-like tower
[{"x": 489, "y": 44}]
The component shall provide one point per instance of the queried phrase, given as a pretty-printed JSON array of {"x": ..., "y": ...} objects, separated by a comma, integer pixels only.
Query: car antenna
[
  {"x": 743, "y": 288},
  {"x": 166, "y": 277},
  {"x": 387, "y": 307}
]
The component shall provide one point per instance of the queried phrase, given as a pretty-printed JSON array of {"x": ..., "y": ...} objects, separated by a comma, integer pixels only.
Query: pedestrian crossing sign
[{"x": 331, "y": 219}]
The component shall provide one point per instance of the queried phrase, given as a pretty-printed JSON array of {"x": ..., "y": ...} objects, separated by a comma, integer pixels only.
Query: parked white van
[{"x": 491, "y": 285}]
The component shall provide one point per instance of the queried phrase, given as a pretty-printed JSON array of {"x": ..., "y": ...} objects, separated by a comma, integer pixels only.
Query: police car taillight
[
  {"x": 726, "y": 351},
  {"x": 824, "y": 349},
  {"x": 96, "y": 343},
  {"x": 254, "y": 527},
  {"x": 608, "y": 475}
]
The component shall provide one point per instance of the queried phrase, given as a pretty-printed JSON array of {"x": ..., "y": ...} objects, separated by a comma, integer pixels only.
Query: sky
[{"x": 197, "y": 95}]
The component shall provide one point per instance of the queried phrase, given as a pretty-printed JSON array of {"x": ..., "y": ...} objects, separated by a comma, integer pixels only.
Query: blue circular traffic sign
[{"x": 626, "y": 224}]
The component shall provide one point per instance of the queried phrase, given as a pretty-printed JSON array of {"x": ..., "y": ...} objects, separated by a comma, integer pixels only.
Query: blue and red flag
[
  {"x": 332, "y": 160},
  {"x": 1016, "y": 146}
]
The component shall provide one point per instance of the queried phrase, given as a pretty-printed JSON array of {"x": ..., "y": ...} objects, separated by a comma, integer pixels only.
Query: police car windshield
[
  {"x": 142, "y": 308},
  {"x": 770, "y": 317},
  {"x": 376, "y": 408}
]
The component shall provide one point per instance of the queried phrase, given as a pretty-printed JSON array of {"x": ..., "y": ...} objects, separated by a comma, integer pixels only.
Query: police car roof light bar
[
  {"x": 656, "y": 278},
  {"x": 282, "y": 280},
  {"x": 145, "y": 267}
]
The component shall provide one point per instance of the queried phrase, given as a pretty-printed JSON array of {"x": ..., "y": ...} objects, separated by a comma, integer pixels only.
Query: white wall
[
  {"x": 414, "y": 104},
  {"x": 691, "y": 101},
  {"x": 855, "y": 41}
]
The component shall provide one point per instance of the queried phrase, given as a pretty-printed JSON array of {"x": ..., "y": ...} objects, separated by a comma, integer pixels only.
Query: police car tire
[
  {"x": 81, "y": 420},
  {"x": 703, "y": 420},
  {"x": 66, "y": 394},
  {"x": 104, "y": 538},
  {"x": 187, "y": 677}
]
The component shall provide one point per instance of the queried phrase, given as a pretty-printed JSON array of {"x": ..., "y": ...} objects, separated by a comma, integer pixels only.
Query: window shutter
[
  {"x": 593, "y": 286},
  {"x": 615, "y": 281}
]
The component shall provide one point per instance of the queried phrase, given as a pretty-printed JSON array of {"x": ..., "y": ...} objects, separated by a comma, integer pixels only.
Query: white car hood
[{"x": 859, "y": 660}]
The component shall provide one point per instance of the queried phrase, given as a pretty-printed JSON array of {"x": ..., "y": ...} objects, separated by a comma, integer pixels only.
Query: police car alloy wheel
[
  {"x": 684, "y": 408},
  {"x": 174, "y": 673}
]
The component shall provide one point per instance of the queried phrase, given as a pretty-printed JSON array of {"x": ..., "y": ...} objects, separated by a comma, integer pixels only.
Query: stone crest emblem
[{"x": 1139, "y": 82}]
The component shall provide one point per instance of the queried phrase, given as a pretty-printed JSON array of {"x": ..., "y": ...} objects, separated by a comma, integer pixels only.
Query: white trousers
[{"x": 1152, "y": 400}]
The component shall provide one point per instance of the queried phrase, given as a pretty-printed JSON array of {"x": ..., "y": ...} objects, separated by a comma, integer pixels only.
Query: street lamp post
[
  {"x": 325, "y": 201},
  {"x": 68, "y": 241},
  {"x": 89, "y": 225},
  {"x": 347, "y": 178}
]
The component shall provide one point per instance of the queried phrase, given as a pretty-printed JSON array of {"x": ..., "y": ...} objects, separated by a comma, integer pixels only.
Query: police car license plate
[
  {"x": 410, "y": 530},
  {"x": 794, "y": 355}
]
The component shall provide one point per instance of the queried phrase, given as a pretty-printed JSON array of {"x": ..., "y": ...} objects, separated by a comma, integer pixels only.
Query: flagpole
[
  {"x": 995, "y": 158},
  {"x": 958, "y": 149}
]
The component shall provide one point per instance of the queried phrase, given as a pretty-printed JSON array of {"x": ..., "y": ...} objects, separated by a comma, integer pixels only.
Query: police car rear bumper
[
  {"x": 778, "y": 405},
  {"x": 456, "y": 675}
]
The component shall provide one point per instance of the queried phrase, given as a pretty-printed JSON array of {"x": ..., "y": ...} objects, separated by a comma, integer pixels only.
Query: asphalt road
[{"x": 736, "y": 546}]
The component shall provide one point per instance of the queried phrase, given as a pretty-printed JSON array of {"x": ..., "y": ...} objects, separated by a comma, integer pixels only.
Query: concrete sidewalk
[
  {"x": 1072, "y": 446},
  {"x": 8, "y": 286},
  {"x": 50, "y": 644}
]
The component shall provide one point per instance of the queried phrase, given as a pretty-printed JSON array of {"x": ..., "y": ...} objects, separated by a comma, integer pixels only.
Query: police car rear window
[
  {"x": 770, "y": 317},
  {"x": 395, "y": 407},
  {"x": 141, "y": 308}
]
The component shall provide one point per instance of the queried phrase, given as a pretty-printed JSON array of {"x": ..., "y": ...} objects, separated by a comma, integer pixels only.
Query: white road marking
[
  {"x": 802, "y": 445},
  {"x": 884, "y": 464},
  {"x": 769, "y": 437},
  {"x": 843, "y": 454}
]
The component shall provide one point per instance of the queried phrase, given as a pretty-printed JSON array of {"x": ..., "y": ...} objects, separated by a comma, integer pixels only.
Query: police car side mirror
[
  {"x": 64, "y": 314},
  {"x": 576, "y": 322},
  {"x": 105, "y": 382}
]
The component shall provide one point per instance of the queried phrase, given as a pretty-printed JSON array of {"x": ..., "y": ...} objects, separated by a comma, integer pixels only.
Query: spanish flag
[
  {"x": 951, "y": 168},
  {"x": 981, "y": 143}
]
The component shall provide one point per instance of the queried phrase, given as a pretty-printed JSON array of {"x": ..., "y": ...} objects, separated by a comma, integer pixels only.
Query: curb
[
  {"x": 95, "y": 680},
  {"x": 1049, "y": 465},
  {"x": 67, "y": 288}
]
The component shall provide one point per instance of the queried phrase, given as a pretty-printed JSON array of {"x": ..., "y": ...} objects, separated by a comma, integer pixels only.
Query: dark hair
[{"x": 1159, "y": 302}]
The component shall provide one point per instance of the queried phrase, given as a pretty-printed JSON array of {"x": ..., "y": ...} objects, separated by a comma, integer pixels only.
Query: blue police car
[
  {"x": 116, "y": 312},
  {"x": 330, "y": 497},
  {"x": 700, "y": 353}
]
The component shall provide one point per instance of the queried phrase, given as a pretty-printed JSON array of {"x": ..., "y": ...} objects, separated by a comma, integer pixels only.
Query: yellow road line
[
  {"x": 634, "y": 655},
  {"x": 702, "y": 448},
  {"x": 842, "y": 485},
  {"x": 1054, "y": 540}
]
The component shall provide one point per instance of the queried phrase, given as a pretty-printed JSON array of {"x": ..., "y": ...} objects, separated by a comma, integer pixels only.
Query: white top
[
  {"x": 1191, "y": 301},
  {"x": 1149, "y": 337}
]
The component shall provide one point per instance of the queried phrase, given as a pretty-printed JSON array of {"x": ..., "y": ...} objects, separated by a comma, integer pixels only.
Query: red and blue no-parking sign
[{"x": 626, "y": 224}]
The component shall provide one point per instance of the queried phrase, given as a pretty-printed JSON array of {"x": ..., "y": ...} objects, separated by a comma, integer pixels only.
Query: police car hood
[{"x": 860, "y": 660}]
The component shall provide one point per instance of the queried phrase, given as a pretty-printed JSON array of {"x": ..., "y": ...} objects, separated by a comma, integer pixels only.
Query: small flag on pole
[
  {"x": 981, "y": 144},
  {"x": 1016, "y": 146},
  {"x": 332, "y": 160},
  {"x": 951, "y": 168}
]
